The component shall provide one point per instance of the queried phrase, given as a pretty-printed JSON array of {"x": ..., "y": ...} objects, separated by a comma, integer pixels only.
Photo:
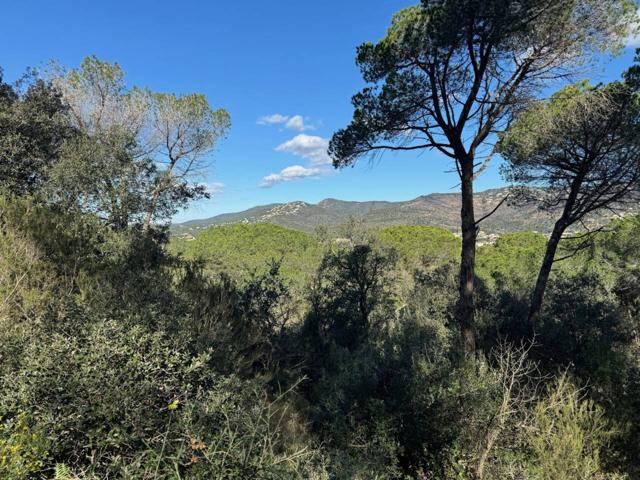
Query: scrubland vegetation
[
  {"x": 259, "y": 352},
  {"x": 122, "y": 359}
]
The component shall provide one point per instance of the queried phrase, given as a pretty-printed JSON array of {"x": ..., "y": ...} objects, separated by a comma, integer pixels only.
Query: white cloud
[
  {"x": 294, "y": 172},
  {"x": 309, "y": 147},
  {"x": 274, "y": 119},
  {"x": 297, "y": 123},
  {"x": 215, "y": 188},
  {"x": 292, "y": 122}
]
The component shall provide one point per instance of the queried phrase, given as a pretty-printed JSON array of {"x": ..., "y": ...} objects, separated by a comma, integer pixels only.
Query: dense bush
[{"x": 102, "y": 371}]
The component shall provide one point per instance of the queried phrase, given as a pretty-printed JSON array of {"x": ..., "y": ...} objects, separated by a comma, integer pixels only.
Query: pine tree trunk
[
  {"x": 545, "y": 270},
  {"x": 466, "y": 308}
]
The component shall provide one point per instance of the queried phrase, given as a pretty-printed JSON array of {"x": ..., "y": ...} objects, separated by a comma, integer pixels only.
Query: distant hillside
[
  {"x": 436, "y": 209},
  {"x": 243, "y": 249}
]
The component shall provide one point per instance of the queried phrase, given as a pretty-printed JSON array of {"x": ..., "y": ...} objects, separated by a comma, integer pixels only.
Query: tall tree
[
  {"x": 582, "y": 148},
  {"x": 33, "y": 129},
  {"x": 158, "y": 141},
  {"x": 187, "y": 130},
  {"x": 450, "y": 73}
]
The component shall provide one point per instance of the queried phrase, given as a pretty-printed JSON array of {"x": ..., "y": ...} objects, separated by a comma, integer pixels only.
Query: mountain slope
[{"x": 437, "y": 209}]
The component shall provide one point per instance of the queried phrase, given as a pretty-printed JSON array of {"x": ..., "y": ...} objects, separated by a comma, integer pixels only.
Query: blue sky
[{"x": 256, "y": 59}]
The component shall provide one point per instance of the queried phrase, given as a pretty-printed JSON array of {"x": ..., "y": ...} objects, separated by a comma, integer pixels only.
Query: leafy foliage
[
  {"x": 33, "y": 129},
  {"x": 142, "y": 151}
]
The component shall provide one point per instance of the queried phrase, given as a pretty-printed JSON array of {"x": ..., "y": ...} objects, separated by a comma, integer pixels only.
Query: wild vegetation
[{"x": 255, "y": 351}]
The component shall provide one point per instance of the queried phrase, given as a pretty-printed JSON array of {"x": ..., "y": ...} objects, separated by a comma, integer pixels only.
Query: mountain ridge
[{"x": 434, "y": 209}]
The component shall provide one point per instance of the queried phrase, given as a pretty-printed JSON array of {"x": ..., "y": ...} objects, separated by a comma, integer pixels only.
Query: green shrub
[
  {"x": 23, "y": 449},
  {"x": 567, "y": 435}
]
